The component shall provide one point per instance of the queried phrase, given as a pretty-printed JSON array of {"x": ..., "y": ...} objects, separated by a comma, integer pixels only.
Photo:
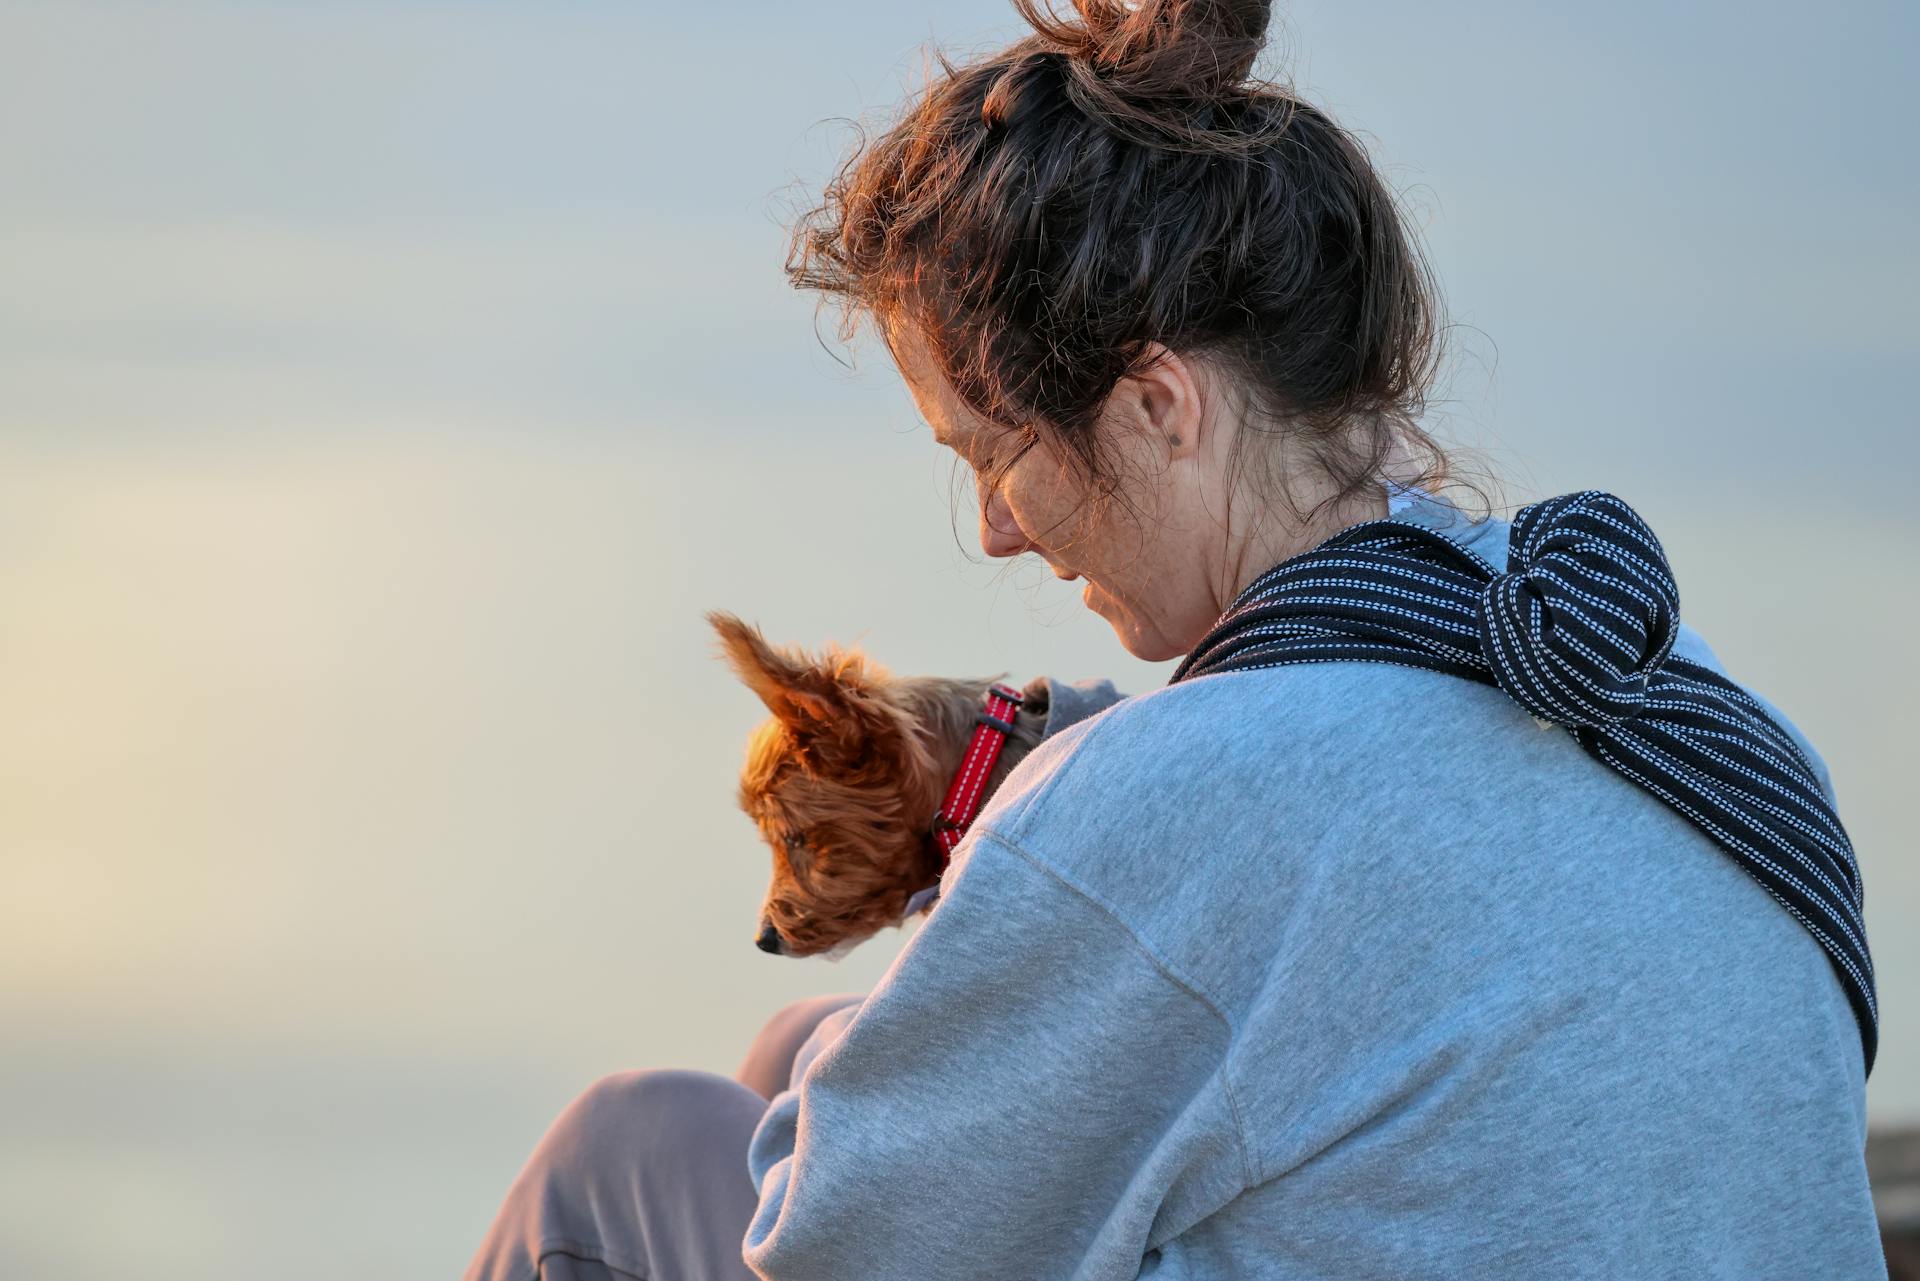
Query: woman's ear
[{"x": 1163, "y": 400}]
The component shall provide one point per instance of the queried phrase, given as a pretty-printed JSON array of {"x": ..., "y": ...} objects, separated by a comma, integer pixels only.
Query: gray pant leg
[
  {"x": 643, "y": 1176},
  {"x": 769, "y": 1060}
]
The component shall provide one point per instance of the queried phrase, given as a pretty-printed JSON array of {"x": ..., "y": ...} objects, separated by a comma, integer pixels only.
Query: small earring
[{"x": 1173, "y": 440}]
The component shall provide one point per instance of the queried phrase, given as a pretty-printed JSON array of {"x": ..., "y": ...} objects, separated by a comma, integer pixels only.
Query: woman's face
[{"x": 1155, "y": 578}]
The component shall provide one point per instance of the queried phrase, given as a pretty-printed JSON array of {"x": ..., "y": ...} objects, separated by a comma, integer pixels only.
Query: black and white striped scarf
[{"x": 1578, "y": 630}]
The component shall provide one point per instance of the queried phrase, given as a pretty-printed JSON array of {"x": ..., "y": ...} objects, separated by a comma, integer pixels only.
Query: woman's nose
[{"x": 999, "y": 532}]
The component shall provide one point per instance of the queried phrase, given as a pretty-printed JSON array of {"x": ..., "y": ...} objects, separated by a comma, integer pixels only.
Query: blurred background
[{"x": 385, "y": 390}]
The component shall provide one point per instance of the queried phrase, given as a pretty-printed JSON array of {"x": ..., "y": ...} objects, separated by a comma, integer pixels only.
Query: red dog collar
[{"x": 991, "y": 727}]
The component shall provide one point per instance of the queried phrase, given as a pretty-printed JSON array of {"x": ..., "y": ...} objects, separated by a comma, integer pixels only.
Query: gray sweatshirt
[{"x": 1335, "y": 971}]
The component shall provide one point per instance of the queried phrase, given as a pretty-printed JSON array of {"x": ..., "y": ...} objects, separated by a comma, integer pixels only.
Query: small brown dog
[{"x": 845, "y": 778}]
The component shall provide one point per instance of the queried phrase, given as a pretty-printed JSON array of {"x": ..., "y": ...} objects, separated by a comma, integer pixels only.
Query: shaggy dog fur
[{"x": 844, "y": 779}]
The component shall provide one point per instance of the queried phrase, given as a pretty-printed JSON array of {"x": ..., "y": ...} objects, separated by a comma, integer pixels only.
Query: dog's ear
[{"x": 805, "y": 694}]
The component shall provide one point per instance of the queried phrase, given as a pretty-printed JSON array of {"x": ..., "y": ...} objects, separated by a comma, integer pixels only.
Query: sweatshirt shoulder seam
[{"x": 1192, "y": 987}]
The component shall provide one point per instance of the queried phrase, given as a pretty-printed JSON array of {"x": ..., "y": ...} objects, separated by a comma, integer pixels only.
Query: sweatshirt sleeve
[{"x": 1027, "y": 1092}]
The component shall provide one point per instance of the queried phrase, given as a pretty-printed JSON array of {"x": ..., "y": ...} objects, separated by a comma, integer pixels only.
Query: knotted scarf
[{"x": 1579, "y": 631}]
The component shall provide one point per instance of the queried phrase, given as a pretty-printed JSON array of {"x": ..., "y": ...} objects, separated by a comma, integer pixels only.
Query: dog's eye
[{"x": 801, "y": 858}]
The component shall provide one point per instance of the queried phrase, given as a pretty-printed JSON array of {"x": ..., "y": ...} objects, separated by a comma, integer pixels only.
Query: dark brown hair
[{"x": 1042, "y": 214}]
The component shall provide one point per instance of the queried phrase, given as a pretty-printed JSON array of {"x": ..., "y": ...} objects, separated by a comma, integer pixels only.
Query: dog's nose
[{"x": 769, "y": 940}]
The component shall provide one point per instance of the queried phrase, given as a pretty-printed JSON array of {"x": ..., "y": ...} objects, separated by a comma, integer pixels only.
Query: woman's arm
[{"x": 1027, "y": 1092}]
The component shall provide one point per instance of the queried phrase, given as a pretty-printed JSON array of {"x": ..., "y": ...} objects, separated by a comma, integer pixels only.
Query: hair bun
[{"x": 1158, "y": 49}]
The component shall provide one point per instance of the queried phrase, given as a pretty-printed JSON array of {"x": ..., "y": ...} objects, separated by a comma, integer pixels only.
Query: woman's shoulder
[
  {"x": 1213, "y": 762},
  {"x": 1188, "y": 761},
  {"x": 1487, "y": 536},
  {"x": 1179, "y": 757}
]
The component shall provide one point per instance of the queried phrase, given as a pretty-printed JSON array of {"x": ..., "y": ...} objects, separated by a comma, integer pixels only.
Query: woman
[{"x": 1411, "y": 930}]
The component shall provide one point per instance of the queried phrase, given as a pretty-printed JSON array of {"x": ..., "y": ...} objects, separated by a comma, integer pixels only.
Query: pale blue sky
[{"x": 385, "y": 390}]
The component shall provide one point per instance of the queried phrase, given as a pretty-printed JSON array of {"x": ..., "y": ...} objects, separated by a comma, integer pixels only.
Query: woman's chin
[
  {"x": 1148, "y": 648},
  {"x": 1121, "y": 622},
  {"x": 1154, "y": 652}
]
